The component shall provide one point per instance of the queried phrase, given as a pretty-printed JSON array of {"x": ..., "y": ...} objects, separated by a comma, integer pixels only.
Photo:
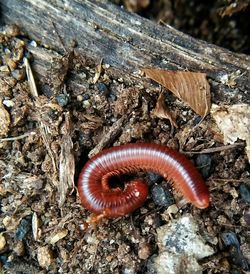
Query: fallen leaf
[
  {"x": 191, "y": 87},
  {"x": 234, "y": 123},
  {"x": 162, "y": 112}
]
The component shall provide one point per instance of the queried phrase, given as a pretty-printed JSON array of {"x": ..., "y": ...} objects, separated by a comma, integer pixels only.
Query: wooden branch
[{"x": 126, "y": 41}]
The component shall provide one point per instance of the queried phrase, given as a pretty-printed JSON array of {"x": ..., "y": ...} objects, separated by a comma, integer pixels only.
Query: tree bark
[{"x": 126, "y": 41}]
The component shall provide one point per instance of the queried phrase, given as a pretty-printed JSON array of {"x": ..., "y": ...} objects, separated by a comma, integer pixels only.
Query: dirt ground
[{"x": 46, "y": 137}]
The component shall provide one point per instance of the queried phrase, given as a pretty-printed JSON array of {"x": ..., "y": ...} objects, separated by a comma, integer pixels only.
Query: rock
[
  {"x": 230, "y": 240},
  {"x": 2, "y": 242},
  {"x": 180, "y": 245},
  {"x": 102, "y": 88},
  {"x": 62, "y": 100},
  {"x": 245, "y": 192},
  {"x": 144, "y": 250},
  {"x": 204, "y": 162},
  {"x": 169, "y": 263},
  {"x": 154, "y": 178},
  {"x": 44, "y": 256},
  {"x": 22, "y": 229},
  {"x": 161, "y": 196}
]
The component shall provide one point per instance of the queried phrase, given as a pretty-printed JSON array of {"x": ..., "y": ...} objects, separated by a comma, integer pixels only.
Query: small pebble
[
  {"x": 3, "y": 259},
  {"x": 247, "y": 216},
  {"x": 47, "y": 91},
  {"x": 144, "y": 250},
  {"x": 230, "y": 239},
  {"x": 62, "y": 100},
  {"x": 33, "y": 43},
  {"x": 79, "y": 98},
  {"x": 22, "y": 229},
  {"x": 86, "y": 96},
  {"x": 2, "y": 242},
  {"x": 154, "y": 178},
  {"x": 102, "y": 88},
  {"x": 8, "y": 103},
  {"x": 19, "y": 248},
  {"x": 173, "y": 209},
  {"x": 112, "y": 96},
  {"x": 129, "y": 270},
  {"x": 197, "y": 120},
  {"x": 109, "y": 258},
  {"x": 18, "y": 74},
  {"x": 28, "y": 55},
  {"x": 203, "y": 162},
  {"x": 44, "y": 256},
  {"x": 86, "y": 104},
  {"x": 245, "y": 192},
  {"x": 161, "y": 196}
]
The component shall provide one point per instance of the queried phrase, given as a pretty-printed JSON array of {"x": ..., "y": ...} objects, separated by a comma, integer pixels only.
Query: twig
[
  {"x": 18, "y": 137},
  {"x": 108, "y": 137},
  {"x": 214, "y": 149},
  {"x": 244, "y": 180}
]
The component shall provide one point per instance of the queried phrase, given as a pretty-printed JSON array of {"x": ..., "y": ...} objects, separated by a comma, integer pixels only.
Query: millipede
[{"x": 100, "y": 197}]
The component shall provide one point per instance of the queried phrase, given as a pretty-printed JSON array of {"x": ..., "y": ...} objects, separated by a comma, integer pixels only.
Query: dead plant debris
[
  {"x": 191, "y": 87},
  {"x": 234, "y": 123},
  {"x": 161, "y": 111}
]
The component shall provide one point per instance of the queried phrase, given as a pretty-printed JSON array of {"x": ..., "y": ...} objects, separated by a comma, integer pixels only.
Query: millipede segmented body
[{"x": 99, "y": 197}]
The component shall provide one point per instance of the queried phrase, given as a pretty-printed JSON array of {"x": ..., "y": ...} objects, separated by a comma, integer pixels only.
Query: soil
[{"x": 46, "y": 139}]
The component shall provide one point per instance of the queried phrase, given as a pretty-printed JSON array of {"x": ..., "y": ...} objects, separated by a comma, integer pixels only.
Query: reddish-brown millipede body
[{"x": 99, "y": 197}]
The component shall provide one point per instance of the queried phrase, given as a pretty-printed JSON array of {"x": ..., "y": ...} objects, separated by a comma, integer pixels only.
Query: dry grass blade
[
  {"x": 18, "y": 137},
  {"x": 31, "y": 80},
  {"x": 191, "y": 87},
  {"x": 214, "y": 149}
]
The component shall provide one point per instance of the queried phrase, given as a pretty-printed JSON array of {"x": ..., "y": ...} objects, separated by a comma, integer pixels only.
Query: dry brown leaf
[
  {"x": 162, "y": 112},
  {"x": 191, "y": 87},
  {"x": 234, "y": 123}
]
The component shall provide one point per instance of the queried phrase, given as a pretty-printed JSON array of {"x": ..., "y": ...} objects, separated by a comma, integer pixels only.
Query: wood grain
[{"x": 127, "y": 41}]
